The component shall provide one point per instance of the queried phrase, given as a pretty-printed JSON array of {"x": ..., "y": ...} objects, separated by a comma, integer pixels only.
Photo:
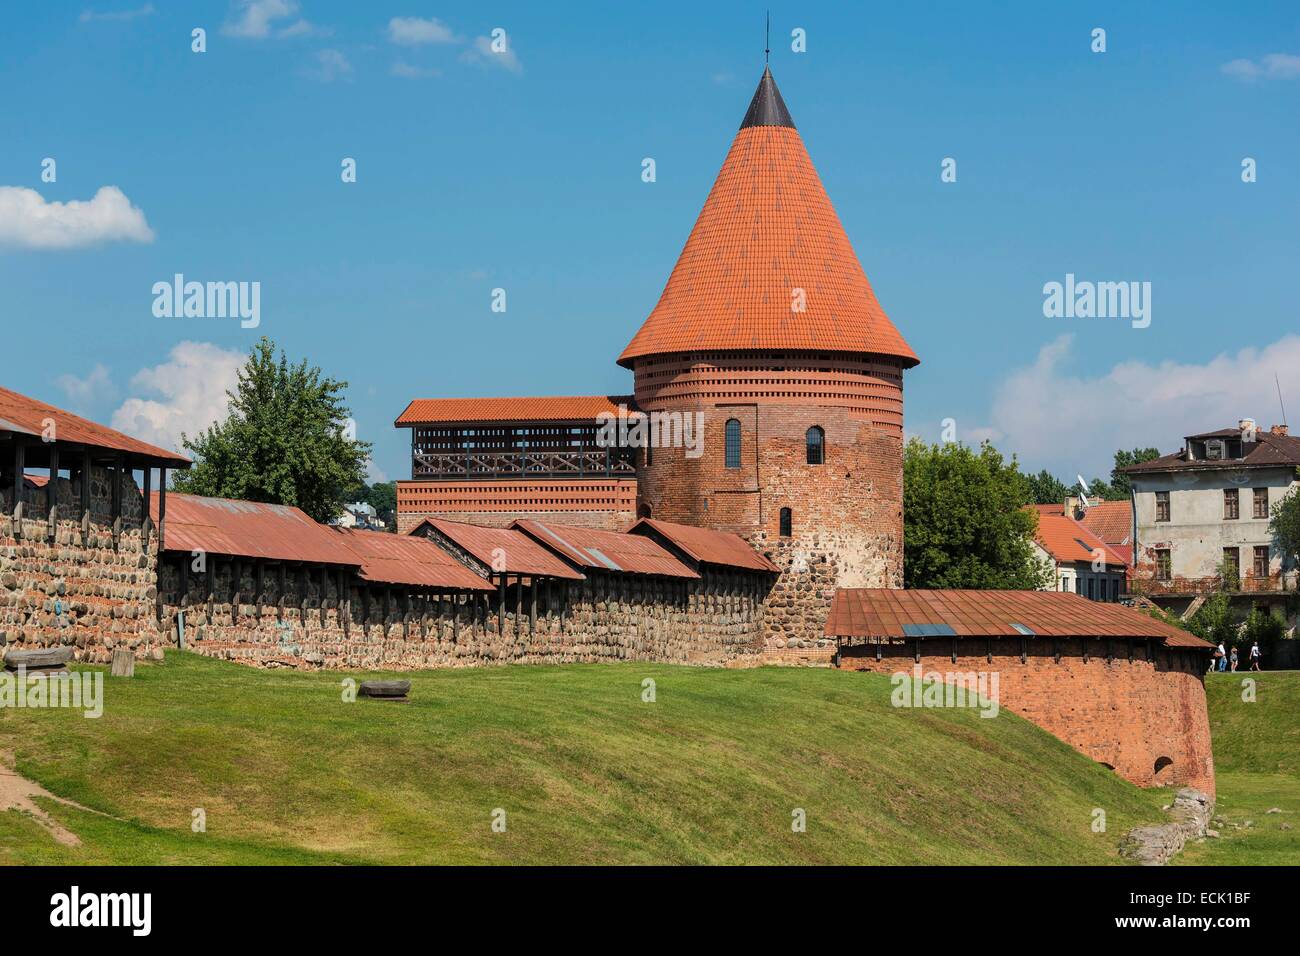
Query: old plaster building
[{"x": 1201, "y": 518}]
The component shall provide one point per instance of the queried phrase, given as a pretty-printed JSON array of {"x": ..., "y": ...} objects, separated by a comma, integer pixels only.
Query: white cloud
[
  {"x": 191, "y": 386},
  {"x": 258, "y": 20},
  {"x": 1274, "y": 66},
  {"x": 29, "y": 222},
  {"x": 90, "y": 16},
  {"x": 482, "y": 52},
  {"x": 374, "y": 474},
  {"x": 85, "y": 390},
  {"x": 1074, "y": 423},
  {"x": 330, "y": 65},
  {"x": 406, "y": 70},
  {"x": 413, "y": 31}
]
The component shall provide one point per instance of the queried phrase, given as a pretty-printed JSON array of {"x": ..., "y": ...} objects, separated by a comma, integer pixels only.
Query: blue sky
[{"x": 477, "y": 171}]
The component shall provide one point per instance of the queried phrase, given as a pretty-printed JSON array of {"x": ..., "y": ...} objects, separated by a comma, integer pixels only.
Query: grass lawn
[
  {"x": 1257, "y": 768},
  {"x": 586, "y": 772}
]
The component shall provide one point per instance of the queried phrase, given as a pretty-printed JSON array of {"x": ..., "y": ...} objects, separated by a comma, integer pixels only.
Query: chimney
[{"x": 1279, "y": 430}]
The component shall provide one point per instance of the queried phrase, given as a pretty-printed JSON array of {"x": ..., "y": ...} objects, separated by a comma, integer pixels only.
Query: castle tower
[{"x": 769, "y": 329}]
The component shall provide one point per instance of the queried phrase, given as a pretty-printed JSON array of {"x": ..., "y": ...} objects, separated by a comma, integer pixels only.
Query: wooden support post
[
  {"x": 532, "y": 606},
  {"x": 279, "y": 597},
  {"x": 501, "y": 605},
  {"x": 236, "y": 582},
  {"x": 918, "y": 650},
  {"x": 147, "y": 491},
  {"x": 85, "y": 487},
  {"x": 20, "y": 466},
  {"x": 519, "y": 603},
  {"x": 52, "y": 490},
  {"x": 162, "y": 509},
  {"x": 115, "y": 497},
  {"x": 211, "y": 563},
  {"x": 185, "y": 581},
  {"x": 259, "y": 586}
]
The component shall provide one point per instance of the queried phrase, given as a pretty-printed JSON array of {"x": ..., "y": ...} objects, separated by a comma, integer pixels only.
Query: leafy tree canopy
[
  {"x": 965, "y": 525},
  {"x": 1284, "y": 526},
  {"x": 286, "y": 440}
]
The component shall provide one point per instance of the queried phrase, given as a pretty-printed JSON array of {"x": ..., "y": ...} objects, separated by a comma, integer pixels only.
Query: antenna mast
[{"x": 1279, "y": 397}]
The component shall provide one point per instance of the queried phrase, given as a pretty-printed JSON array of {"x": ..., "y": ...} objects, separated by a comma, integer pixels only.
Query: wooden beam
[
  {"x": 144, "y": 512},
  {"x": 20, "y": 465},
  {"x": 85, "y": 486},
  {"x": 162, "y": 508},
  {"x": 52, "y": 490}
]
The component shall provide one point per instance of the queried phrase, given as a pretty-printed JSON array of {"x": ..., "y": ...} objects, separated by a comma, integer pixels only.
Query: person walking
[
  {"x": 1232, "y": 659},
  {"x": 1216, "y": 662},
  {"x": 1254, "y": 656}
]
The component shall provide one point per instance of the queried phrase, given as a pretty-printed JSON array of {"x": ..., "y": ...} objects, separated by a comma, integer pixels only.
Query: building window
[
  {"x": 1164, "y": 564},
  {"x": 733, "y": 443},
  {"x": 1231, "y": 564},
  {"x": 1261, "y": 561},
  {"x": 1231, "y": 504},
  {"x": 1065, "y": 583},
  {"x": 816, "y": 445},
  {"x": 1162, "y": 506},
  {"x": 1092, "y": 589},
  {"x": 786, "y": 523},
  {"x": 1078, "y": 585},
  {"x": 1261, "y": 502}
]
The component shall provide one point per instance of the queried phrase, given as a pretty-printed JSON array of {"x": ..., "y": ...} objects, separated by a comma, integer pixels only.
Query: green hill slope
[
  {"x": 712, "y": 771},
  {"x": 1257, "y": 766}
]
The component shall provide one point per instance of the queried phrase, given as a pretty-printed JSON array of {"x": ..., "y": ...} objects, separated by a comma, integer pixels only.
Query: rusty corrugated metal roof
[
  {"x": 503, "y": 549},
  {"x": 249, "y": 529},
  {"x": 884, "y": 612},
  {"x": 709, "y": 546},
  {"x": 401, "y": 559},
  {"x": 605, "y": 550},
  {"x": 27, "y": 416},
  {"x": 568, "y": 408}
]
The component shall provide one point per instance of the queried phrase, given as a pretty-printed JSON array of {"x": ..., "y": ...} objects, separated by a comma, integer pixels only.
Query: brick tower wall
[{"x": 846, "y": 514}]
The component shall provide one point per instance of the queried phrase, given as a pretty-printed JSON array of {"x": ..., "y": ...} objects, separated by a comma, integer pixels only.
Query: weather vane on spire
[{"x": 767, "y": 40}]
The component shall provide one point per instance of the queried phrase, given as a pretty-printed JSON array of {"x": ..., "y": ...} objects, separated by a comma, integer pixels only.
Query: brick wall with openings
[
  {"x": 75, "y": 584},
  {"x": 1145, "y": 717},
  {"x": 608, "y": 504},
  {"x": 714, "y": 621}
]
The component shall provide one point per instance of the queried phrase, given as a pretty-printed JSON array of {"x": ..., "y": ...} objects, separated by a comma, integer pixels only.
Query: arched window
[
  {"x": 816, "y": 445},
  {"x": 733, "y": 443},
  {"x": 786, "y": 523}
]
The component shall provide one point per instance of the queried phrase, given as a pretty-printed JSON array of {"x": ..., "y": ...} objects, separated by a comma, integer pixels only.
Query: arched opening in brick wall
[
  {"x": 787, "y": 523},
  {"x": 815, "y": 439},
  {"x": 732, "y": 443},
  {"x": 1163, "y": 769}
]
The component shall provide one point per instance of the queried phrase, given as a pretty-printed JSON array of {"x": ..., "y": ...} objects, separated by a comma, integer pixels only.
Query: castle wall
[
  {"x": 1145, "y": 717},
  {"x": 78, "y": 585},
  {"x": 607, "y": 617}
]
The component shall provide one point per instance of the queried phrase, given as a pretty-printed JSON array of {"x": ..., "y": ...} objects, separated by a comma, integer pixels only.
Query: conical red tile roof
[{"x": 767, "y": 228}]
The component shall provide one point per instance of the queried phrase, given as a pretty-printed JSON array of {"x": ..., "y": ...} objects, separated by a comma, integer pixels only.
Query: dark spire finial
[
  {"x": 767, "y": 40},
  {"x": 767, "y": 108}
]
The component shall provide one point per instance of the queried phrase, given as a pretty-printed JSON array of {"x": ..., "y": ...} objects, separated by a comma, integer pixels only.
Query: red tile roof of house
[
  {"x": 249, "y": 529},
  {"x": 882, "y": 613},
  {"x": 403, "y": 560},
  {"x": 27, "y": 416},
  {"x": 35, "y": 481},
  {"x": 1112, "y": 521},
  {"x": 708, "y": 546},
  {"x": 766, "y": 229},
  {"x": 572, "y": 408},
  {"x": 1052, "y": 509},
  {"x": 605, "y": 550},
  {"x": 504, "y": 550},
  {"x": 1067, "y": 540}
]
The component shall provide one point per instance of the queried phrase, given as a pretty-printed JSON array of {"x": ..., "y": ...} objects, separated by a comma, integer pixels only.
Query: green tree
[
  {"x": 382, "y": 496},
  {"x": 285, "y": 440},
  {"x": 965, "y": 524},
  {"x": 1119, "y": 482},
  {"x": 1046, "y": 489},
  {"x": 1284, "y": 526}
]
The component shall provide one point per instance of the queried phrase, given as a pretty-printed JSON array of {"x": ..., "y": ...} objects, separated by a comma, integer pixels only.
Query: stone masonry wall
[
  {"x": 1145, "y": 718},
  {"x": 78, "y": 587},
  {"x": 607, "y": 617}
]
